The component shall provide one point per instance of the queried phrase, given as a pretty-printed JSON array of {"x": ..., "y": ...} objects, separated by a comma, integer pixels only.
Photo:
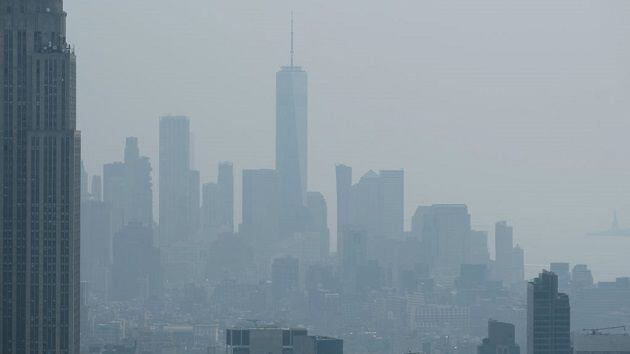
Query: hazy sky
[{"x": 519, "y": 109}]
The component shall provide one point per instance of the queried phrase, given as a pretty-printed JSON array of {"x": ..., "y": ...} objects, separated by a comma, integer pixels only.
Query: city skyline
[
  {"x": 457, "y": 161},
  {"x": 552, "y": 204}
]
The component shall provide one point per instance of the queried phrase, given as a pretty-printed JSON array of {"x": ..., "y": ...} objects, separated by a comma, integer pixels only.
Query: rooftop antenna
[{"x": 292, "y": 51}]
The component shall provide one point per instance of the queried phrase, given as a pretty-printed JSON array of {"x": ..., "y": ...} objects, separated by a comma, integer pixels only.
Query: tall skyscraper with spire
[
  {"x": 40, "y": 176},
  {"x": 291, "y": 142}
]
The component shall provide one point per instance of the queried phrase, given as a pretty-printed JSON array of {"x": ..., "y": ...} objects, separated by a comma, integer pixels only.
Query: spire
[
  {"x": 292, "y": 51},
  {"x": 615, "y": 223}
]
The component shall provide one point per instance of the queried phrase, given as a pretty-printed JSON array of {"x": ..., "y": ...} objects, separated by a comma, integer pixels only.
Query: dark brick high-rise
[{"x": 40, "y": 178}]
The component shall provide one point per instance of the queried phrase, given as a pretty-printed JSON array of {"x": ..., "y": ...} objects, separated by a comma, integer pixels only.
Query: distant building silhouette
[
  {"x": 114, "y": 192},
  {"x": 96, "y": 189},
  {"x": 285, "y": 276},
  {"x": 374, "y": 204},
  {"x": 136, "y": 266},
  {"x": 601, "y": 343},
  {"x": 393, "y": 202},
  {"x": 274, "y": 340},
  {"x": 292, "y": 144},
  {"x": 138, "y": 206},
  {"x": 261, "y": 210},
  {"x": 501, "y": 339},
  {"x": 445, "y": 233},
  {"x": 225, "y": 182},
  {"x": 509, "y": 260},
  {"x": 174, "y": 180},
  {"x": 96, "y": 245},
  {"x": 317, "y": 212},
  {"x": 581, "y": 277},
  {"x": 564, "y": 275},
  {"x": 548, "y": 317},
  {"x": 193, "y": 197},
  {"x": 344, "y": 185},
  {"x": 128, "y": 188},
  {"x": 317, "y": 345},
  {"x": 85, "y": 195},
  {"x": 353, "y": 256},
  {"x": 217, "y": 204},
  {"x": 602, "y": 305},
  {"x": 477, "y": 248}
]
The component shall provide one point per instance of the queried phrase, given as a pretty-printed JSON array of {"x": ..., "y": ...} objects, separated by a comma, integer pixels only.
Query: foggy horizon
[
  {"x": 315, "y": 177},
  {"x": 516, "y": 109}
]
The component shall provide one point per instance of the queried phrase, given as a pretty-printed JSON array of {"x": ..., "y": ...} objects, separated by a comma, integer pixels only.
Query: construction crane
[{"x": 596, "y": 331}]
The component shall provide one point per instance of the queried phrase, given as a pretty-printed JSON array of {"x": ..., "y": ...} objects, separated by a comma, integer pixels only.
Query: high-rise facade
[
  {"x": 393, "y": 202},
  {"x": 217, "y": 204},
  {"x": 375, "y": 204},
  {"x": 96, "y": 189},
  {"x": 260, "y": 205},
  {"x": 501, "y": 339},
  {"x": 135, "y": 263},
  {"x": 344, "y": 186},
  {"x": 41, "y": 181},
  {"x": 138, "y": 206},
  {"x": 445, "y": 233},
  {"x": 562, "y": 270},
  {"x": 291, "y": 144},
  {"x": 548, "y": 317},
  {"x": 509, "y": 259},
  {"x": 503, "y": 242},
  {"x": 174, "y": 179},
  {"x": 225, "y": 185},
  {"x": 114, "y": 192},
  {"x": 96, "y": 244},
  {"x": 273, "y": 340},
  {"x": 365, "y": 205}
]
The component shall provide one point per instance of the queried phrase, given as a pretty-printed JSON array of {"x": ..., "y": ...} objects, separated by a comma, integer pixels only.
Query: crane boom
[{"x": 596, "y": 331}]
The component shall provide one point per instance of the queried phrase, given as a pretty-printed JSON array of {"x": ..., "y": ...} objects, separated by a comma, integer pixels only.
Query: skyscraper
[
  {"x": 217, "y": 204},
  {"x": 225, "y": 185},
  {"x": 445, "y": 230},
  {"x": 96, "y": 244},
  {"x": 194, "y": 203},
  {"x": 501, "y": 339},
  {"x": 291, "y": 143},
  {"x": 128, "y": 188},
  {"x": 375, "y": 204},
  {"x": 509, "y": 265},
  {"x": 135, "y": 263},
  {"x": 366, "y": 205},
  {"x": 503, "y": 242},
  {"x": 260, "y": 206},
  {"x": 114, "y": 192},
  {"x": 41, "y": 181},
  {"x": 274, "y": 340},
  {"x": 138, "y": 206},
  {"x": 209, "y": 206},
  {"x": 96, "y": 189},
  {"x": 561, "y": 269},
  {"x": 344, "y": 186},
  {"x": 548, "y": 317},
  {"x": 174, "y": 179},
  {"x": 393, "y": 202},
  {"x": 84, "y": 183}
]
